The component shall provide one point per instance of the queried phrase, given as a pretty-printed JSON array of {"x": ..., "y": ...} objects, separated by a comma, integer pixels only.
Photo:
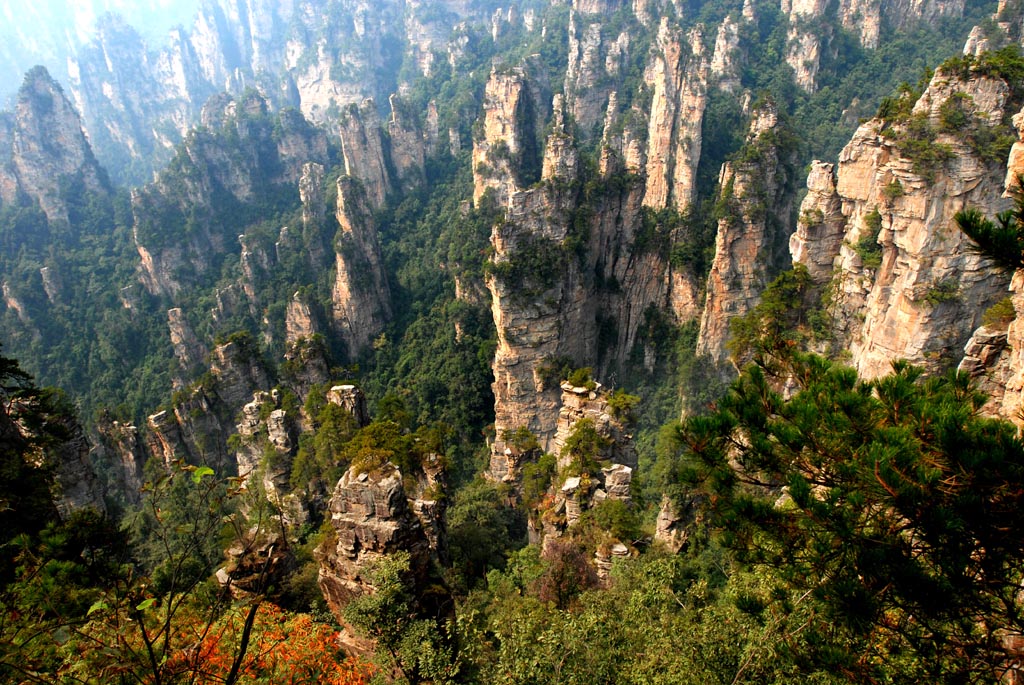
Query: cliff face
[
  {"x": 810, "y": 37},
  {"x": 577, "y": 271},
  {"x": 750, "y": 244},
  {"x": 196, "y": 430},
  {"x": 994, "y": 355},
  {"x": 43, "y": 150},
  {"x": 267, "y": 441},
  {"x": 905, "y": 285},
  {"x": 76, "y": 484},
  {"x": 138, "y": 102},
  {"x": 317, "y": 56},
  {"x": 537, "y": 292},
  {"x": 595, "y": 62},
  {"x": 361, "y": 299},
  {"x": 508, "y": 135},
  {"x": 362, "y": 147},
  {"x": 678, "y": 76},
  {"x": 122, "y": 446}
]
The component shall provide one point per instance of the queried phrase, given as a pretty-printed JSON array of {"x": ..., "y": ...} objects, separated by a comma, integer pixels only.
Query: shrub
[
  {"x": 867, "y": 247},
  {"x": 999, "y": 315},
  {"x": 945, "y": 290},
  {"x": 622, "y": 405},
  {"x": 581, "y": 378}
]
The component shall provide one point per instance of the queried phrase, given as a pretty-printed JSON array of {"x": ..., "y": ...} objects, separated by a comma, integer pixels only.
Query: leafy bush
[
  {"x": 622, "y": 405},
  {"x": 867, "y": 247},
  {"x": 999, "y": 315},
  {"x": 582, "y": 378},
  {"x": 537, "y": 478},
  {"x": 946, "y": 290},
  {"x": 521, "y": 439},
  {"x": 584, "y": 447}
]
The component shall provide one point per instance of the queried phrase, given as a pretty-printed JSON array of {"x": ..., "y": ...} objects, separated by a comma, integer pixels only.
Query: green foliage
[
  {"x": 388, "y": 616},
  {"x": 779, "y": 321},
  {"x": 482, "y": 528},
  {"x": 897, "y": 494},
  {"x": 915, "y": 140},
  {"x": 893, "y": 190},
  {"x": 521, "y": 439},
  {"x": 618, "y": 519},
  {"x": 868, "y": 248},
  {"x": 1000, "y": 315},
  {"x": 531, "y": 269},
  {"x": 1001, "y": 241},
  {"x": 991, "y": 142},
  {"x": 553, "y": 370},
  {"x": 585, "y": 446},
  {"x": 582, "y": 378},
  {"x": 1007, "y": 63},
  {"x": 623, "y": 405},
  {"x": 946, "y": 290},
  {"x": 537, "y": 477}
]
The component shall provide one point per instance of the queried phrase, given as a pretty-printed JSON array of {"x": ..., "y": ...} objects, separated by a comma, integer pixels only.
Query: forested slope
[{"x": 396, "y": 340}]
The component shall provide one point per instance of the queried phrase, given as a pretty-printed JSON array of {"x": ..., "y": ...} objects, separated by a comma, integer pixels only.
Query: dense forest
[{"x": 457, "y": 342}]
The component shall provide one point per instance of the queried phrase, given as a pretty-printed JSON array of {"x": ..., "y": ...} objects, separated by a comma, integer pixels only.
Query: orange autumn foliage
[{"x": 284, "y": 649}]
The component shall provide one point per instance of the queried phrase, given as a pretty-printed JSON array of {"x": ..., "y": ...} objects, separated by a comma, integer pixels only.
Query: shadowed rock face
[
  {"x": 361, "y": 298},
  {"x": 750, "y": 243},
  {"x": 43, "y": 149}
]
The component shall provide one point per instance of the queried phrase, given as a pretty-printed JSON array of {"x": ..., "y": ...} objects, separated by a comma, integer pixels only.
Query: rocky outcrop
[
  {"x": 305, "y": 365},
  {"x": 807, "y": 39},
  {"x": 138, "y": 102},
  {"x": 75, "y": 481},
  {"x": 810, "y": 26},
  {"x": 998, "y": 366},
  {"x": 406, "y": 143},
  {"x": 678, "y": 76},
  {"x": 352, "y": 400},
  {"x": 821, "y": 225},
  {"x": 258, "y": 559},
  {"x": 597, "y": 459},
  {"x": 196, "y": 429},
  {"x": 372, "y": 516},
  {"x": 163, "y": 438},
  {"x": 532, "y": 307},
  {"x": 586, "y": 404},
  {"x": 361, "y": 298},
  {"x": 507, "y": 135},
  {"x": 267, "y": 440},
  {"x": 239, "y": 372},
  {"x": 676, "y": 522},
  {"x": 119, "y": 444},
  {"x": 750, "y": 245},
  {"x": 188, "y": 349},
  {"x": 727, "y": 57},
  {"x": 299, "y": 319},
  {"x": 243, "y": 156},
  {"x": 595, "y": 61},
  {"x": 864, "y": 17},
  {"x": 362, "y": 148},
  {"x": 989, "y": 361},
  {"x": 44, "y": 152},
  {"x": 203, "y": 427},
  {"x": 905, "y": 284},
  {"x": 588, "y": 304}
]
